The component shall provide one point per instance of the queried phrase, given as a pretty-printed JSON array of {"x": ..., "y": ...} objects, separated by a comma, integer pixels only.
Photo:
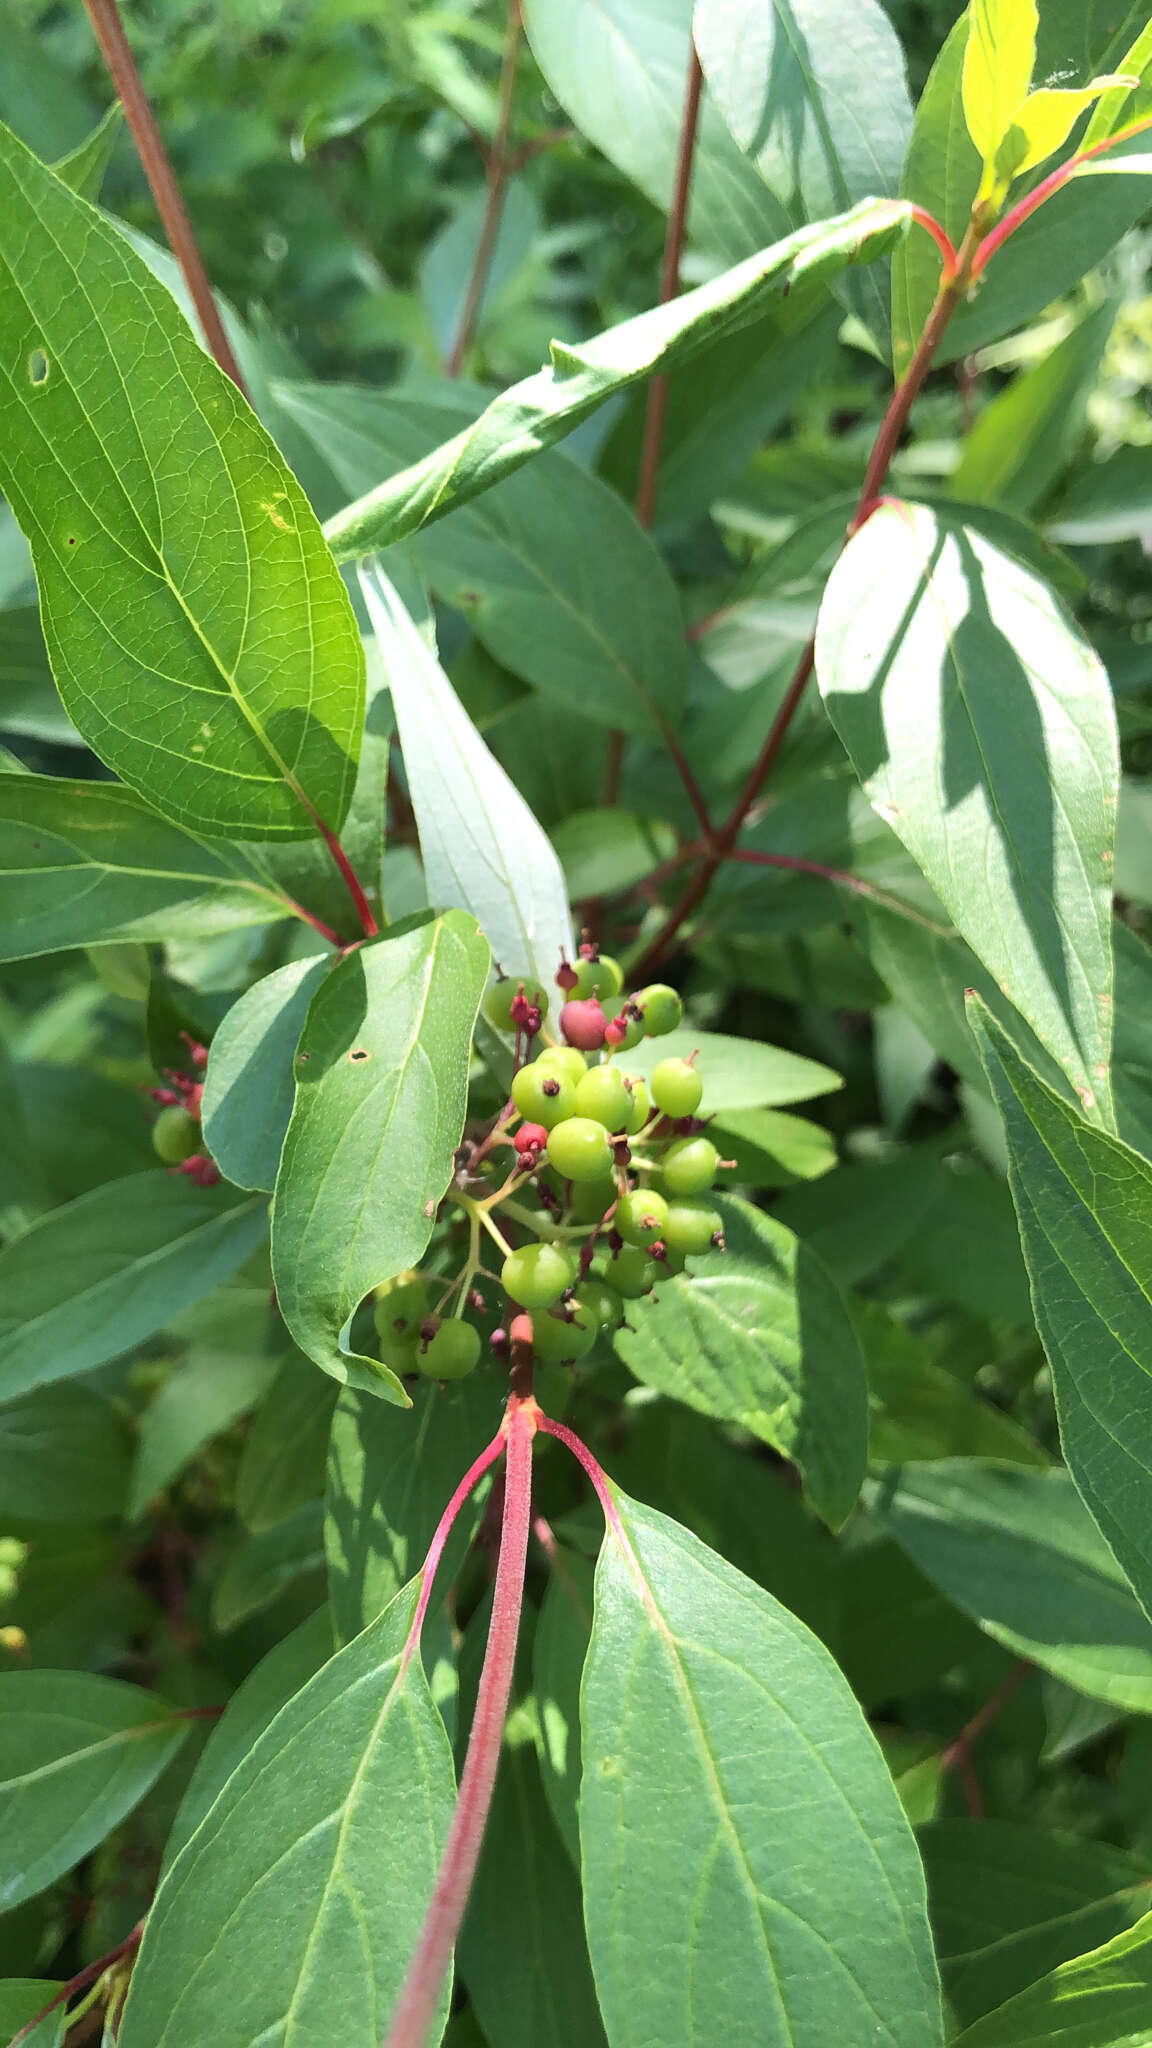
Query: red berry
[
  {"x": 566, "y": 976},
  {"x": 531, "y": 1140},
  {"x": 584, "y": 1024}
]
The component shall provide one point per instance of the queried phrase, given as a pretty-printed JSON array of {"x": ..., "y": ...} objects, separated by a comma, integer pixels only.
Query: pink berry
[
  {"x": 531, "y": 1140},
  {"x": 584, "y": 1024}
]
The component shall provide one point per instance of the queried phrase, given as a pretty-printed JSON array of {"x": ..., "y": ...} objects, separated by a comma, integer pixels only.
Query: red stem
[
  {"x": 472, "y": 1477},
  {"x": 81, "y": 1981},
  {"x": 105, "y": 18},
  {"x": 583, "y": 1456},
  {"x": 363, "y": 908},
  {"x": 1045, "y": 190},
  {"x": 426, "y": 1972},
  {"x": 317, "y": 923},
  {"x": 958, "y": 1755},
  {"x": 942, "y": 239},
  {"x": 500, "y": 168}
]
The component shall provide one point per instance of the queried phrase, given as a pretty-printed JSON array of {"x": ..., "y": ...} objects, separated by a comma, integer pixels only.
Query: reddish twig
[
  {"x": 500, "y": 168},
  {"x": 81, "y": 1981},
  {"x": 958, "y": 1755},
  {"x": 426, "y": 1972},
  {"x": 317, "y": 923},
  {"x": 363, "y": 908},
  {"x": 105, "y": 18},
  {"x": 943, "y": 240},
  {"x": 1047, "y": 189}
]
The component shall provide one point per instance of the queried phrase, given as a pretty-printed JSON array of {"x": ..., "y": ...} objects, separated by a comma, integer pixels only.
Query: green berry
[
  {"x": 452, "y": 1353},
  {"x": 566, "y": 1059},
  {"x": 401, "y": 1306},
  {"x": 580, "y": 1149},
  {"x": 641, "y": 1217},
  {"x": 611, "y": 977},
  {"x": 176, "y": 1135},
  {"x": 587, "y": 974},
  {"x": 604, "y": 1096},
  {"x": 501, "y": 996},
  {"x": 661, "y": 1007},
  {"x": 675, "y": 1087},
  {"x": 641, "y": 1108},
  {"x": 672, "y": 1261},
  {"x": 691, "y": 1226},
  {"x": 603, "y": 1302},
  {"x": 623, "y": 1031},
  {"x": 591, "y": 1198},
  {"x": 555, "y": 1340},
  {"x": 689, "y": 1166},
  {"x": 543, "y": 1094},
  {"x": 538, "y": 1274},
  {"x": 631, "y": 1272}
]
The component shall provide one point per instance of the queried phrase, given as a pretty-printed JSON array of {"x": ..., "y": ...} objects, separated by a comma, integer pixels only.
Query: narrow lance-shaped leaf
[
  {"x": 1100, "y": 2000},
  {"x": 482, "y": 848},
  {"x": 748, "y": 1872},
  {"x": 581, "y": 376},
  {"x": 250, "y": 1082},
  {"x": 1084, "y": 1204},
  {"x": 998, "y": 60},
  {"x": 381, "y": 1091},
  {"x": 981, "y": 726},
  {"x": 87, "y": 864},
  {"x": 290, "y": 1914},
  {"x": 201, "y": 638}
]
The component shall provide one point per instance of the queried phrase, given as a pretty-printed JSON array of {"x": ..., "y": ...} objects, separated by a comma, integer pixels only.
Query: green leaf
[
  {"x": 250, "y": 1082},
  {"x": 581, "y": 376},
  {"x": 389, "y": 1478},
  {"x": 1045, "y": 121},
  {"x": 79, "y": 1752},
  {"x": 227, "y": 1367},
  {"x": 815, "y": 94},
  {"x": 921, "y": 1410},
  {"x": 1024, "y": 437},
  {"x": 1084, "y": 1203},
  {"x": 281, "y": 1914},
  {"x": 1018, "y": 1551},
  {"x": 1098, "y": 2001},
  {"x": 277, "y": 1678},
  {"x": 65, "y": 1456},
  {"x": 1009, "y": 1903},
  {"x": 998, "y": 58},
  {"x": 482, "y": 848},
  {"x": 760, "y": 1335},
  {"x": 262, "y": 1567},
  {"x": 771, "y": 1149},
  {"x": 86, "y": 864},
  {"x": 601, "y": 851},
  {"x": 381, "y": 1088},
  {"x": 981, "y": 726},
  {"x": 21, "y": 1998},
  {"x": 82, "y": 170},
  {"x": 526, "y": 1901},
  {"x": 618, "y": 70},
  {"x": 559, "y": 1648},
  {"x": 748, "y": 1872},
  {"x": 740, "y": 1073},
  {"x": 89, "y": 1130},
  {"x": 551, "y": 570},
  {"x": 284, "y": 1458},
  {"x": 90, "y": 1280},
  {"x": 181, "y": 570}
]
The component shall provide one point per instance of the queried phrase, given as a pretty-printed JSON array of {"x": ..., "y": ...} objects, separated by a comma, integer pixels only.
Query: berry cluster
[
  {"x": 176, "y": 1134},
  {"x": 605, "y": 1192}
]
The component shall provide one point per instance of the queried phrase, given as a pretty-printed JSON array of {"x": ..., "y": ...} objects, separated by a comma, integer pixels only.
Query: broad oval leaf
[
  {"x": 200, "y": 635},
  {"x": 78, "y": 1752},
  {"x": 86, "y": 864},
  {"x": 543, "y": 408},
  {"x": 748, "y": 1871},
  {"x": 381, "y": 1091},
  {"x": 89, "y": 1280},
  {"x": 250, "y": 1082},
  {"x": 551, "y": 569},
  {"x": 981, "y": 726},
  {"x": 283, "y": 1462},
  {"x": 65, "y": 1456},
  {"x": 292, "y": 1910},
  {"x": 740, "y": 1072},
  {"x": 760, "y": 1335},
  {"x": 482, "y": 848},
  {"x": 1101, "y": 2000},
  {"x": 388, "y": 1479},
  {"x": 1018, "y": 1551},
  {"x": 1084, "y": 1204}
]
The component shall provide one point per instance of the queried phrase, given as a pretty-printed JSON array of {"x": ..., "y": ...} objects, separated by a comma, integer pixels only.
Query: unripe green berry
[
  {"x": 401, "y": 1306},
  {"x": 604, "y": 1303},
  {"x": 623, "y": 1031},
  {"x": 641, "y": 1108},
  {"x": 689, "y": 1166},
  {"x": 538, "y": 1274},
  {"x": 543, "y": 1094},
  {"x": 452, "y": 1353},
  {"x": 500, "y": 997},
  {"x": 566, "y": 1059},
  {"x": 675, "y": 1087},
  {"x": 641, "y": 1217},
  {"x": 631, "y": 1272},
  {"x": 604, "y": 1095},
  {"x": 176, "y": 1135},
  {"x": 555, "y": 1340},
  {"x": 691, "y": 1226},
  {"x": 580, "y": 1149},
  {"x": 590, "y": 1199},
  {"x": 661, "y": 1008},
  {"x": 610, "y": 977}
]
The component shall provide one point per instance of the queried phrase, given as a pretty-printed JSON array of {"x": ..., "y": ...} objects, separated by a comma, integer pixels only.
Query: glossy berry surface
[
  {"x": 604, "y": 1303},
  {"x": 631, "y": 1272},
  {"x": 691, "y": 1226},
  {"x": 500, "y": 997},
  {"x": 580, "y": 1149},
  {"x": 566, "y": 1060},
  {"x": 537, "y": 1275},
  {"x": 604, "y": 1095},
  {"x": 401, "y": 1306},
  {"x": 556, "y": 1340},
  {"x": 641, "y": 1108},
  {"x": 176, "y": 1136},
  {"x": 641, "y": 1217},
  {"x": 543, "y": 1094},
  {"x": 451, "y": 1354},
  {"x": 689, "y": 1166},
  {"x": 583, "y": 1024},
  {"x": 675, "y": 1087},
  {"x": 661, "y": 1008},
  {"x": 609, "y": 977},
  {"x": 623, "y": 1031}
]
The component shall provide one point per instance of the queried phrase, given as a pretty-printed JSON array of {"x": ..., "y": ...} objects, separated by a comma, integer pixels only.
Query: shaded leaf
[
  {"x": 65, "y": 1456},
  {"x": 559, "y": 1648},
  {"x": 283, "y": 1461},
  {"x": 1024, "y": 437},
  {"x": 21, "y": 1998},
  {"x": 250, "y": 1082},
  {"x": 263, "y": 1566}
]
